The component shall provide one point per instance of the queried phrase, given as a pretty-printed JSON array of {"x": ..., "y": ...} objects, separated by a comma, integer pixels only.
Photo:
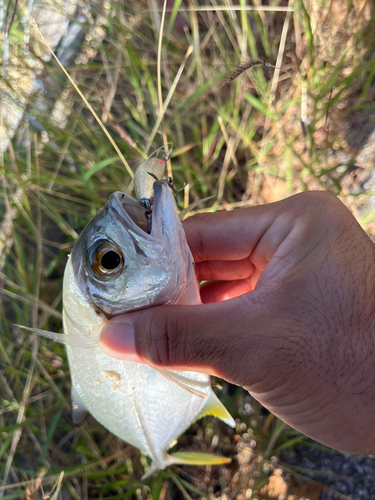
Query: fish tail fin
[{"x": 216, "y": 408}]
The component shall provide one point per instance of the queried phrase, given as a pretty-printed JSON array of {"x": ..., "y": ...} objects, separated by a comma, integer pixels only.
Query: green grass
[{"x": 241, "y": 143}]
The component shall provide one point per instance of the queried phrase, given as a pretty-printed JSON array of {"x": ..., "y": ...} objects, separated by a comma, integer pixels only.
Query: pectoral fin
[
  {"x": 78, "y": 408},
  {"x": 188, "y": 384}
]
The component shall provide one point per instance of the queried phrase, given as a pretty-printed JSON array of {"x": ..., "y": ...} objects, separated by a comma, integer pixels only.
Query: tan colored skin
[{"x": 299, "y": 330}]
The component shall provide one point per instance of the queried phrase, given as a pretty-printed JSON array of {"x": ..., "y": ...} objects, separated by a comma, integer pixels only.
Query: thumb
[{"x": 218, "y": 338}]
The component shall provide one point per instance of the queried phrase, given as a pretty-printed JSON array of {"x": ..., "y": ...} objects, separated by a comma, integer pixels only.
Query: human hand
[{"x": 297, "y": 329}]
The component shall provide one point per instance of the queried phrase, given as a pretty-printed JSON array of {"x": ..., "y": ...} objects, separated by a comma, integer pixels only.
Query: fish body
[{"x": 117, "y": 267}]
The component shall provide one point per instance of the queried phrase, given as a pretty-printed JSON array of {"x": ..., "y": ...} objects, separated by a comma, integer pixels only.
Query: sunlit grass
[{"x": 270, "y": 133}]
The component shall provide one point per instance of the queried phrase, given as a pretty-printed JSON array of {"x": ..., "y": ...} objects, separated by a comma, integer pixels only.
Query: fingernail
[{"x": 117, "y": 340}]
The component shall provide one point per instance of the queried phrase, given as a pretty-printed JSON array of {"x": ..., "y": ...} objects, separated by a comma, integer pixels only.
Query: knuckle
[
  {"x": 320, "y": 209},
  {"x": 194, "y": 230},
  {"x": 163, "y": 337},
  {"x": 312, "y": 200},
  {"x": 324, "y": 203}
]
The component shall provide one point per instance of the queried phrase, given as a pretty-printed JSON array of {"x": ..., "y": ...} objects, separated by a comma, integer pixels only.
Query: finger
[
  {"x": 234, "y": 235},
  {"x": 229, "y": 235},
  {"x": 202, "y": 338},
  {"x": 217, "y": 291},
  {"x": 224, "y": 269}
]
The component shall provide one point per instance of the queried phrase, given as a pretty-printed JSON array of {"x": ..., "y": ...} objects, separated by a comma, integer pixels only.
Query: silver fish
[{"x": 116, "y": 267}]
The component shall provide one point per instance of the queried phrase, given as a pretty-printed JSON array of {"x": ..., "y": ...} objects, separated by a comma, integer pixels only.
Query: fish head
[{"x": 119, "y": 267}]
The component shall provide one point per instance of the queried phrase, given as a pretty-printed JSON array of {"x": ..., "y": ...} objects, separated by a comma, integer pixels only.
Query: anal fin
[
  {"x": 196, "y": 458},
  {"x": 188, "y": 458}
]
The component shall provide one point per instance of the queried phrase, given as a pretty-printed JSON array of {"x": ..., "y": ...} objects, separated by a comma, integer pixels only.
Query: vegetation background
[{"x": 306, "y": 122}]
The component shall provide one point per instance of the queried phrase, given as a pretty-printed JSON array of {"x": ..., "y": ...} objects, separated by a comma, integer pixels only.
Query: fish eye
[
  {"x": 107, "y": 261},
  {"x": 110, "y": 260}
]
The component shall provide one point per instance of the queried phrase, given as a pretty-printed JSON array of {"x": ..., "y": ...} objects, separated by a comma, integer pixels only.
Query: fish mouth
[
  {"x": 140, "y": 218},
  {"x": 131, "y": 213}
]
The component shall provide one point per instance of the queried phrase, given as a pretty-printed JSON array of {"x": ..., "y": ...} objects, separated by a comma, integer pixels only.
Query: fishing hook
[{"x": 146, "y": 204}]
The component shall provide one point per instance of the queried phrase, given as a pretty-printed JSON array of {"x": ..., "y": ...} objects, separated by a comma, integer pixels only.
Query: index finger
[{"x": 229, "y": 235}]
